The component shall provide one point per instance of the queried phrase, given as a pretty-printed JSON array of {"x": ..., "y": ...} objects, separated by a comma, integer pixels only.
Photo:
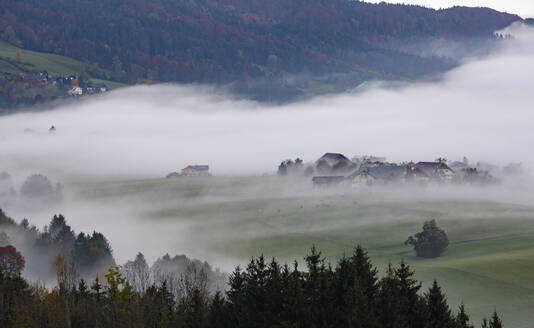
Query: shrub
[{"x": 429, "y": 243}]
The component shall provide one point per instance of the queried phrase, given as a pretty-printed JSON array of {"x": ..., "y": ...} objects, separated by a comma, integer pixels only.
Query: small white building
[
  {"x": 75, "y": 91},
  {"x": 437, "y": 171}
]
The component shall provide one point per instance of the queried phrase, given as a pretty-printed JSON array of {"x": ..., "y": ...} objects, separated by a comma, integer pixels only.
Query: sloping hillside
[
  {"x": 40, "y": 61},
  {"x": 23, "y": 85},
  {"x": 255, "y": 44}
]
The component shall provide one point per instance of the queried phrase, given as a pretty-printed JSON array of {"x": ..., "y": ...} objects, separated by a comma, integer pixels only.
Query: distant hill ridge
[{"x": 253, "y": 43}]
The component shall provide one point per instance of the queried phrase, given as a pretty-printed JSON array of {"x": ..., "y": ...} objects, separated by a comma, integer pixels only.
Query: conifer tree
[
  {"x": 389, "y": 302},
  {"x": 294, "y": 305},
  {"x": 462, "y": 319},
  {"x": 495, "y": 321},
  {"x": 411, "y": 305},
  {"x": 367, "y": 288},
  {"x": 217, "y": 312},
  {"x": 317, "y": 289},
  {"x": 236, "y": 299},
  {"x": 439, "y": 314}
]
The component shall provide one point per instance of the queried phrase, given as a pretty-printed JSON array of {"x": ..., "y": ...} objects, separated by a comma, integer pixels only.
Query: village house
[
  {"x": 75, "y": 91},
  {"x": 196, "y": 171},
  {"x": 93, "y": 88},
  {"x": 334, "y": 163},
  {"x": 382, "y": 173},
  {"x": 436, "y": 171},
  {"x": 66, "y": 79},
  {"x": 363, "y": 178},
  {"x": 417, "y": 176}
]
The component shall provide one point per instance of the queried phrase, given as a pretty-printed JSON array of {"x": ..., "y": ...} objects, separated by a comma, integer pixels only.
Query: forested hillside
[{"x": 257, "y": 44}]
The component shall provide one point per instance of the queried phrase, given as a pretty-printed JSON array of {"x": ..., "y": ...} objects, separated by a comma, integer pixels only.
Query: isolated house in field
[
  {"x": 327, "y": 180},
  {"x": 196, "y": 171},
  {"x": 438, "y": 171},
  {"x": 334, "y": 163}
]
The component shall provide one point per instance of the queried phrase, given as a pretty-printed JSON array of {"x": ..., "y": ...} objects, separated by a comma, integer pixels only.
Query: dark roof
[
  {"x": 429, "y": 168},
  {"x": 198, "y": 167},
  {"x": 334, "y": 156}
]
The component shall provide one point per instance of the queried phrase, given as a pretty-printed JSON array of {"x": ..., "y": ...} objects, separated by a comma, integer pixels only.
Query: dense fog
[{"x": 481, "y": 110}]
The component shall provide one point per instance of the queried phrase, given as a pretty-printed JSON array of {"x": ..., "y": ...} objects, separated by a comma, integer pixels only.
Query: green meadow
[
  {"x": 53, "y": 64},
  {"x": 489, "y": 263}
]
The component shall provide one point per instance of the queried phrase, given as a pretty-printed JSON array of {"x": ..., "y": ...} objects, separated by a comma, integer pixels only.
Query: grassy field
[
  {"x": 489, "y": 264},
  {"x": 53, "y": 64}
]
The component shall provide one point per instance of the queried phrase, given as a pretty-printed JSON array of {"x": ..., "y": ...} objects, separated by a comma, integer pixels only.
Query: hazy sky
[{"x": 524, "y": 8}]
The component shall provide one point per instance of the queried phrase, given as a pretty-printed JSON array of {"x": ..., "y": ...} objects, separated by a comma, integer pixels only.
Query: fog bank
[{"x": 482, "y": 110}]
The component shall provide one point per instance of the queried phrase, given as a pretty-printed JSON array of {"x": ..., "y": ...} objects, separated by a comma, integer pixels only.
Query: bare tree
[
  {"x": 65, "y": 270},
  {"x": 137, "y": 273}
]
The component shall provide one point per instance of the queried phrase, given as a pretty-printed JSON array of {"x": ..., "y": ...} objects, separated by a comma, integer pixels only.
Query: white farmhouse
[{"x": 75, "y": 91}]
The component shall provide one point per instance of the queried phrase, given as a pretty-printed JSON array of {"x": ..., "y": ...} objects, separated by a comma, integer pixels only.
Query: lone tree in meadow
[{"x": 429, "y": 243}]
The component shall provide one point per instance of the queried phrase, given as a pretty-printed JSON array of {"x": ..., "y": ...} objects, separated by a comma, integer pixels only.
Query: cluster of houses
[
  {"x": 68, "y": 83},
  {"x": 191, "y": 171},
  {"x": 334, "y": 168}
]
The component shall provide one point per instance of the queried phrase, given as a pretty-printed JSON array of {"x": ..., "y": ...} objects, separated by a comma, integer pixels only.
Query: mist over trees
[
  {"x": 263, "y": 294},
  {"x": 59, "y": 254},
  {"x": 57, "y": 248},
  {"x": 38, "y": 187},
  {"x": 175, "y": 272}
]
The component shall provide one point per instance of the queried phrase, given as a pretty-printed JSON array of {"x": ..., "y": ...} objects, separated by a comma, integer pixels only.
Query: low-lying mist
[{"x": 482, "y": 110}]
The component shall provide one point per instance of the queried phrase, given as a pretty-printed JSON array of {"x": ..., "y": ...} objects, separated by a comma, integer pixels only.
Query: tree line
[
  {"x": 57, "y": 248},
  {"x": 263, "y": 294},
  {"x": 254, "y": 44}
]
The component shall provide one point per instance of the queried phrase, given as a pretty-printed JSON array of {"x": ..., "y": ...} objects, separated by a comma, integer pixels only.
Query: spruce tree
[
  {"x": 317, "y": 289},
  {"x": 236, "y": 299},
  {"x": 389, "y": 302},
  {"x": 366, "y": 285},
  {"x": 411, "y": 305},
  {"x": 438, "y": 312},
  {"x": 294, "y": 306},
  {"x": 345, "y": 293},
  {"x": 217, "y": 312},
  {"x": 495, "y": 321},
  {"x": 462, "y": 319}
]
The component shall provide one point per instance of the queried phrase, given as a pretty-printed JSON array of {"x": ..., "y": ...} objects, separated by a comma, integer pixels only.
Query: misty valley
[
  {"x": 236, "y": 163},
  {"x": 225, "y": 220}
]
